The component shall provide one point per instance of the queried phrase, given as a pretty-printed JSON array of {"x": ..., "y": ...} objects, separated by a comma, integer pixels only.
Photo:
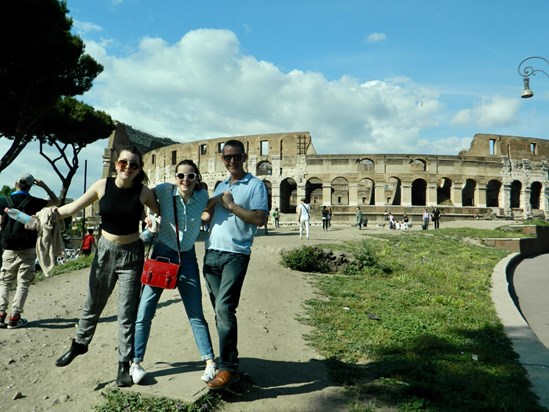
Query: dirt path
[{"x": 287, "y": 374}]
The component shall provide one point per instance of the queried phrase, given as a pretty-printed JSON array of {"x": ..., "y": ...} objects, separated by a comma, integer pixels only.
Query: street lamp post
[{"x": 526, "y": 70}]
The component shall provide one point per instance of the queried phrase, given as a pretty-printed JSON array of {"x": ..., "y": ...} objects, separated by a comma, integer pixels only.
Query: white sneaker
[
  {"x": 209, "y": 373},
  {"x": 137, "y": 372}
]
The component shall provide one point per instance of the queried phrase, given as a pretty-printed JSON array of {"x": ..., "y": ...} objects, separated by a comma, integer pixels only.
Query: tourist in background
[
  {"x": 304, "y": 218},
  {"x": 426, "y": 216},
  {"x": 325, "y": 218},
  {"x": 358, "y": 218},
  {"x": 19, "y": 247},
  {"x": 436, "y": 217}
]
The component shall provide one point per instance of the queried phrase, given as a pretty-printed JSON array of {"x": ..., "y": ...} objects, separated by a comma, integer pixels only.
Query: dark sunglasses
[
  {"x": 123, "y": 163},
  {"x": 190, "y": 176},
  {"x": 235, "y": 157}
]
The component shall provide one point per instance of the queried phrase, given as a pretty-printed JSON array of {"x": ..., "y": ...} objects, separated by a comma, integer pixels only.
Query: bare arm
[
  {"x": 149, "y": 199},
  {"x": 91, "y": 195},
  {"x": 53, "y": 199}
]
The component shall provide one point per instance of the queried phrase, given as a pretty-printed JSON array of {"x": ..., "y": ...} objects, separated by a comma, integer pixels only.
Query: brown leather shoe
[{"x": 223, "y": 380}]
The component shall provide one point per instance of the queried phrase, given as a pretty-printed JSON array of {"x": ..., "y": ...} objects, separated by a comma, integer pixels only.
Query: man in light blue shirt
[{"x": 241, "y": 206}]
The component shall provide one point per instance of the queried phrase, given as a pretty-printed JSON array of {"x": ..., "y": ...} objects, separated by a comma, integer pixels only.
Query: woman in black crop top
[{"x": 119, "y": 257}]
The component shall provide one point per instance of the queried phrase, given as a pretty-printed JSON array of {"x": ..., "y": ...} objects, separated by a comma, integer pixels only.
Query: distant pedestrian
[
  {"x": 88, "y": 243},
  {"x": 276, "y": 218},
  {"x": 358, "y": 218},
  {"x": 436, "y": 217},
  {"x": 304, "y": 218},
  {"x": 330, "y": 214},
  {"x": 425, "y": 219},
  {"x": 325, "y": 218},
  {"x": 391, "y": 221},
  {"x": 405, "y": 221}
]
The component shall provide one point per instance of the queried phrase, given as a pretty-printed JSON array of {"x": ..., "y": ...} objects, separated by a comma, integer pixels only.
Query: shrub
[{"x": 306, "y": 259}]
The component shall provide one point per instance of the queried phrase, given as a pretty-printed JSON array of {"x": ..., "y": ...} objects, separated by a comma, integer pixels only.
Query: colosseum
[{"x": 497, "y": 177}]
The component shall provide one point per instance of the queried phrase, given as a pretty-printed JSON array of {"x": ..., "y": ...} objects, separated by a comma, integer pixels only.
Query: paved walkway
[{"x": 519, "y": 292}]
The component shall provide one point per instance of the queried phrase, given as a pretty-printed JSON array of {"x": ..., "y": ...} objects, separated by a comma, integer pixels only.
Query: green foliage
[
  {"x": 115, "y": 400},
  {"x": 81, "y": 262},
  {"x": 365, "y": 260},
  {"x": 435, "y": 312},
  {"x": 306, "y": 259},
  {"x": 42, "y": 62},
  {"x": 6, "y": 190}
]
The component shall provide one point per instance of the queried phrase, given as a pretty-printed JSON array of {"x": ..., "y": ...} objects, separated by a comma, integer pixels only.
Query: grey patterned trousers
[{"x": 113, "y": 263}]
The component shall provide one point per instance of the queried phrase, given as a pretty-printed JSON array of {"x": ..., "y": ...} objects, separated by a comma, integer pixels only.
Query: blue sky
[{"x": 361, "y": 76}]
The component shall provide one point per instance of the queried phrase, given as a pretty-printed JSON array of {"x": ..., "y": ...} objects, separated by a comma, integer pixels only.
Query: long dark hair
[
  {"x": 188, "y": 162},
  {"x": 140, "y": 177}
]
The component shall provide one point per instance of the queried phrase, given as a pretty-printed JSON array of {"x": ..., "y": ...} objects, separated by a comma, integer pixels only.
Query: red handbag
[{"x": 160, "y": 272}]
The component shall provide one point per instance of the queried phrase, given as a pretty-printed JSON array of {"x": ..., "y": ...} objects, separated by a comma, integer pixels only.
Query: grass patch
[
  {"x": 115, "y": 400},
  {"x": 438, "y": 345}
]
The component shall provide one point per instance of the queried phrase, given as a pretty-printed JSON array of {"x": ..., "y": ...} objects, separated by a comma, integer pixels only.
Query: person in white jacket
[{"x": 304, "y": 218}]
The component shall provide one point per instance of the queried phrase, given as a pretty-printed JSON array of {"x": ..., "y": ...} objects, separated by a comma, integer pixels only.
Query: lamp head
[{"x": 526, "y": 92}]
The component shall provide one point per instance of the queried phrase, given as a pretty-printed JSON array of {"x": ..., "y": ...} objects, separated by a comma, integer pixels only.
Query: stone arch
[
  {"x": 468, "y": 192},
  {"x": 492, "y": 193},
  {"x": 418, "y": 165},
  {"x": 366, "y": 194},
  {"x": 269, "y": 187},
  {"x": 340, "y": 193},
  {"x": 393, "y": 191},
  {"x": 366, "y": 165},
  {"x": 535, "y": 195},
  {"x": 264, "y": 168},
  {"x": 419, "y": 192},
  {"x": 288, "y": 195},
  {"x": 313, "y": 191},
  {"x": 516, "y": 188},
  {"x": 444, "y": 191}
]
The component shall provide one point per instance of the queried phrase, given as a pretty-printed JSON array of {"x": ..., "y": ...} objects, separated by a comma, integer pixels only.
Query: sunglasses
[
  {"x": 190, "y": 176},
  {"x": 235, "y": 157},
  {"x": 123, "y": 163}
]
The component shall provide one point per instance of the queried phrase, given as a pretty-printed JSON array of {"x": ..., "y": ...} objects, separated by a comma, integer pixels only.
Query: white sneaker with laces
[
  {"x": 137, "y": 372},
  {"x": 209, "y": 373}
]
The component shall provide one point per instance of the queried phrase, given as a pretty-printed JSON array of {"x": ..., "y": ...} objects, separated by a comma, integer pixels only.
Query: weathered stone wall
[{"x": 501, "y": 175}]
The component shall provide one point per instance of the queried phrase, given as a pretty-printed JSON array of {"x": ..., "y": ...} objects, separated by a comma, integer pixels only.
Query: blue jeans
[
  {"x": 225, "y": 273},
  {"x": 191, "y": 294}
]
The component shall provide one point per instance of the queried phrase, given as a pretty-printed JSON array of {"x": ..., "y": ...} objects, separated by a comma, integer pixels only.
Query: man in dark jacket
[{"x": 19, "y": 247}]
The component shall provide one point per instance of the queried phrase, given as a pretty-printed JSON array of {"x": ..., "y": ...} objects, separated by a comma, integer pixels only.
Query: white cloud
[
  {"x": 490, "y": 113},
  {"x": 376, "y": 37},
  {"x": 204, "y": 87},
  {"x": 83, "y": 27}
]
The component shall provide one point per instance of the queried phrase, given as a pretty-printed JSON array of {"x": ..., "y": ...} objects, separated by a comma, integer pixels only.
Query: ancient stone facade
[{"x": 506, "y": 176}]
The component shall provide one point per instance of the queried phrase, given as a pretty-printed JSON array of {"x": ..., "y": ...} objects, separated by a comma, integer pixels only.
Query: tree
[
  {"x": 71, "y": 125},
  {"x": 40, "y": 63}
]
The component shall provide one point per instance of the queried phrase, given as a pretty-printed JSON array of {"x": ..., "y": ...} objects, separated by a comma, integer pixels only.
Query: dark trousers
[{"x": 225, "y": 273}]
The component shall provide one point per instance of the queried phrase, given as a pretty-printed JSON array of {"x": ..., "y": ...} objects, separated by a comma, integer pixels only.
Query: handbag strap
[
  {"x": 176, "y": 232},
  {"x": 176, "y": 228}
]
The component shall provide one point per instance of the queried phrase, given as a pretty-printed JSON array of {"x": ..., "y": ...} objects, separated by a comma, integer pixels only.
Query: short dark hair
[
  {"x": 189, "y": 162},
  {"x": 235, "y": 143}
]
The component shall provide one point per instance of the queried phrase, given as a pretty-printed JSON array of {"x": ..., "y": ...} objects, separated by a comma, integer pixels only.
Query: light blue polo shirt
[
  {"x": 188, "y": 216},
  {"x": 228, "y": 232}
]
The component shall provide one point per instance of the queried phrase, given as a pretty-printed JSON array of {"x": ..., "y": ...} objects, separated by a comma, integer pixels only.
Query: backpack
[{"x": 14, "y": 235}]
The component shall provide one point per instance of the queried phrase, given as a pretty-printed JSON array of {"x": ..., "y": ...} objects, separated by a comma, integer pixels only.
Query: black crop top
[{"x": 120, "y": 209}]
